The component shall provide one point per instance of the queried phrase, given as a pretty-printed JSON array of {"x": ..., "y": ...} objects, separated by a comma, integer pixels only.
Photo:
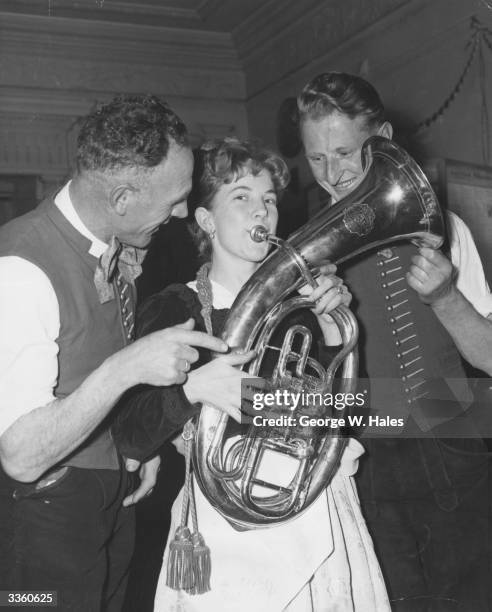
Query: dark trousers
[
  {"x": 427, "y": 506},
  {"x": 73, "y": 537}
]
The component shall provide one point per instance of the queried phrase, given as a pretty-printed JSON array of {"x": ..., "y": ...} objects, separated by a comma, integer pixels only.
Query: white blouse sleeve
[{"x": 29, "y": 327}]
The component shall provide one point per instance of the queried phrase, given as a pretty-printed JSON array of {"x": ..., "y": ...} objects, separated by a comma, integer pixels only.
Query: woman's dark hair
[
  {"x": 346, "y": 93},
  {"x": 130, "y": 131},
  {"x": 221, "y": 162}
]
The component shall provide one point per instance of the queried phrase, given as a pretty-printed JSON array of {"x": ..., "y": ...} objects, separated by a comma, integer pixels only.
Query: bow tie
[{"x": 127, "y": 260}]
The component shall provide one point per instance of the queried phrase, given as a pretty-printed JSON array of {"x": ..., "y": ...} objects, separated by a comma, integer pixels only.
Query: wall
[
  {"x": 412, "y": 51},
  {"x": 53, "y": 70}
]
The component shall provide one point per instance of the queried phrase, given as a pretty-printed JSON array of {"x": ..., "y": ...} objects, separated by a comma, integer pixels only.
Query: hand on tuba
[
  {"x": 218, "y": 383},
  {"x": 330, "y": 294},
  {"x": 432, "y": 276}
]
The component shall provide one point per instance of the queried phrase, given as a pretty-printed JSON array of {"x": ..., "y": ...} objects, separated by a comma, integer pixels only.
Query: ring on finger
[{"x": 186, "y": 366}]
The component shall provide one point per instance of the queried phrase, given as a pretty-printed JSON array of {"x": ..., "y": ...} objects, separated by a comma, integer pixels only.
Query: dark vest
[
  {"x": 406, "y": 353},
  {"x": 89, "y": 331},
  {"x": 415, "y": 371}
]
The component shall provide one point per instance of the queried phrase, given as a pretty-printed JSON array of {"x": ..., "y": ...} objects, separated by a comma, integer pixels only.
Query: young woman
[{"x": 323, "y": 559}]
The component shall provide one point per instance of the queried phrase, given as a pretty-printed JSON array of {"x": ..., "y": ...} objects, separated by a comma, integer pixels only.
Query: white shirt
[
  {"x": 30, "y": 319},
  {"x": 470, "y": 279},
  {"x": 29, "y": 327}
]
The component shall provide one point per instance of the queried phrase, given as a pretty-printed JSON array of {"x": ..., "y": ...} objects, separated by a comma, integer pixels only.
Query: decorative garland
[{"x": 480, "y": 36}]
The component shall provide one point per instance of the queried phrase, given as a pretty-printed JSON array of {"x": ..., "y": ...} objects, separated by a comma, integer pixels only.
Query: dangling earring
[{"x": 212, "y": 234}]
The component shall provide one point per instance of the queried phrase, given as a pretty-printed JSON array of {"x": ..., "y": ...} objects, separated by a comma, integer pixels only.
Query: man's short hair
[
  {"x": 338, "y": 91},
  {"x": 129, "y": 131}
]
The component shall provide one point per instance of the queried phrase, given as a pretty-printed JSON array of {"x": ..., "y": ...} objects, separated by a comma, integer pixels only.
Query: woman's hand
[
  {"x": 218, "y": 383},
  {"x": 330, "y": 292},
  {"x": 328, "y": 295}
]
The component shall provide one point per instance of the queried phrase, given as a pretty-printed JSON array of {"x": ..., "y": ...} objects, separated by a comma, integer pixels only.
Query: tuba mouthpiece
[{"x": 258, "y": 233}]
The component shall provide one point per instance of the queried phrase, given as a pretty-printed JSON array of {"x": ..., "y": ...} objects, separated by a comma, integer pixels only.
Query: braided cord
[
  {"x": 188, "y": 435},
  {"x": 205, "y": 295},
  {"x": 456, "y": 89}
]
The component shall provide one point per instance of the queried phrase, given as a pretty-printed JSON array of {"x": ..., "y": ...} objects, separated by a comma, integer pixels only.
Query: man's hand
[
  {"x": 46, "y": 435},
  {"x": 148, "y": 478},
  {"x": 164, "y": 357},
  {"x": 431, "y": 275},
  {"x": 218, "y": 383}
]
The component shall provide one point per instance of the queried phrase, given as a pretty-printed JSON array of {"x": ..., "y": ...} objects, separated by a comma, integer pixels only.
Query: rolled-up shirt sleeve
[
  {"x": 29, "y": 327},
  {"x": 470, "y": 278}
]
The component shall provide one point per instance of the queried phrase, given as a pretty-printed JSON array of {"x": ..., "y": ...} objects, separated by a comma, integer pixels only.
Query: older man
[
  {"x": 67, "y": 273},
  {"x": 425, "y": 500}
]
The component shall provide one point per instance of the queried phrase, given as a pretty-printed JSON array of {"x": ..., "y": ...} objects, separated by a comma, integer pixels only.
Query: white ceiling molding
[
  {"x": 63, "y": 37},
  {"x": 160, "y": 13},
  {"x": 84, "y": 77},
  {"x": 211, "y": 15}
]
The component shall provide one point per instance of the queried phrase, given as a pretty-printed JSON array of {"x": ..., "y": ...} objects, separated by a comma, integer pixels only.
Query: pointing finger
[
  {"x": 235, "y": 359},
  {"x": 202, "y": 339},
  {"x": 189, "y": 324}
]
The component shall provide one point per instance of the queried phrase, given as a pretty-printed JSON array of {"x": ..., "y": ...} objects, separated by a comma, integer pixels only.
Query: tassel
[
  {"x": 189, "y": 565},
  {"x": 180, "y": 561},
  {"x": 202, "y": 565}
]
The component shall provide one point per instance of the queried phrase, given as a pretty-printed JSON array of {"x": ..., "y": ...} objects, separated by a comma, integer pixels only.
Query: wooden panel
[{"x": 18, "y": 195}]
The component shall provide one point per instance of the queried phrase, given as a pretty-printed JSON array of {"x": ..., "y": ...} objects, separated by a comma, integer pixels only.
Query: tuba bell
[{"x": 394, "y": 201}]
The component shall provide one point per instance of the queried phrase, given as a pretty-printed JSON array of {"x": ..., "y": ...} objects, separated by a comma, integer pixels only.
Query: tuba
[{"x": 393, "y": 201}]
